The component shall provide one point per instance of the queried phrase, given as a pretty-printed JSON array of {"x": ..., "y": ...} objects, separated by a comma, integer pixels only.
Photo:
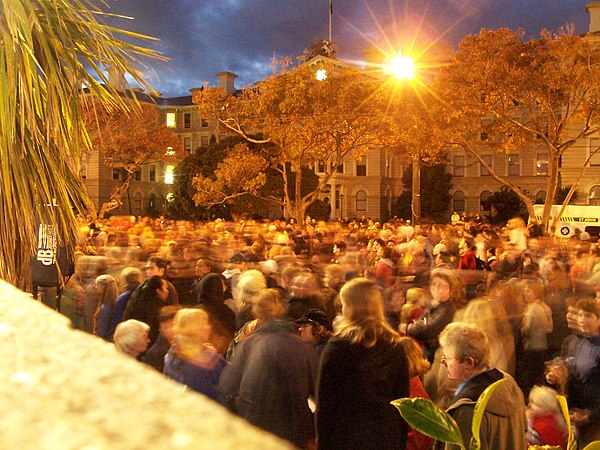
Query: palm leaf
[
  {"x": 426, "y": 417},
  {"x": 482, "y": 402},
  {"x": 50, "y": 49}
]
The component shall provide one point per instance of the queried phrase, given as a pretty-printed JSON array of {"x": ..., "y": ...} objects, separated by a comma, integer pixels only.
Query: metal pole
[
  {"x": 416, "y": 190},
  {"x": 330, "y": 15}
]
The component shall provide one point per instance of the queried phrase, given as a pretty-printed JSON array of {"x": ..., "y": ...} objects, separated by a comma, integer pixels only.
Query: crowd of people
[{"x": 310, "y": 330}]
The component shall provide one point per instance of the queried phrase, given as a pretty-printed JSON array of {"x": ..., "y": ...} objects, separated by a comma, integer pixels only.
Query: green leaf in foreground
[{"x": 424, "y": 416}]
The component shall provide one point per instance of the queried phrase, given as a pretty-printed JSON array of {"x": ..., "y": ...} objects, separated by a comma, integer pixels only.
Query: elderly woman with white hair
[
  {"x": 131, "y": 338},
  {"x": 250, "y": 283}
]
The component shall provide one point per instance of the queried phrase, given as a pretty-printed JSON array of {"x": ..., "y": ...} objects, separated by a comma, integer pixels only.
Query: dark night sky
[{"x": 203, "y": 37}]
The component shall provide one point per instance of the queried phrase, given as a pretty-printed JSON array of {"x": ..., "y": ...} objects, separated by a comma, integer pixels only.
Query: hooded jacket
[{"x": 504, "y": 424}]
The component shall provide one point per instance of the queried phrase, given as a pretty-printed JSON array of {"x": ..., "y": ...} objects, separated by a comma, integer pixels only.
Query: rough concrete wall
[{"x": 64, "y": 389}]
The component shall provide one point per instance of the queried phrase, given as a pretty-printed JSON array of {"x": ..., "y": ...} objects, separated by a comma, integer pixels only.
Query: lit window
[
  {"x": 171, "y": 120},
  {"x": 169, "y": 174},
  {"x": 541, "y": 165},
  {"x": 170, "y": 151},
  {"x": 321, "y": 74},
  {"x": 361, "y": 201}
]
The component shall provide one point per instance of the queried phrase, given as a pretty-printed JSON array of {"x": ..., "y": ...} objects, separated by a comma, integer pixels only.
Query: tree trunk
[{"x": 115, "y": 199}]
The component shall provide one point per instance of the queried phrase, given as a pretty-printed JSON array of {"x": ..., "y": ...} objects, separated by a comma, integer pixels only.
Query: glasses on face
[{"x": 445, "y": 359}]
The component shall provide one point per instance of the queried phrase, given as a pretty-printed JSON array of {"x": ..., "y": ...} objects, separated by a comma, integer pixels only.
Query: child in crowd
[
  {"x": 546, "y": 424},
  {"x": 414, "y": 308}
]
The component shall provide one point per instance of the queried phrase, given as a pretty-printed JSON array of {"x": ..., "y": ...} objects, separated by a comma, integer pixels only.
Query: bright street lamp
[{"x": 401, "y": 66}]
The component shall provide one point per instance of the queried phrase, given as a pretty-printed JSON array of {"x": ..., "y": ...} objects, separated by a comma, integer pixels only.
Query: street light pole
[{"x": 416, "y": 190}]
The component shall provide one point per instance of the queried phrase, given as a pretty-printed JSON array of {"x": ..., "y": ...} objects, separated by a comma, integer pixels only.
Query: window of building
[
  {"x": 595, "y": 147},
  {"x": 595, "y": 196},
  {"x": 203, "y": 141},
  {"x": 204, "y": 122},
  {"x": 458, "y": 201},
  {"x": 459, "y": 166},
  {"x": 187, "y": 144},
  {"x": 171, "y": 120},
  {"x": 152, "y": 173},
  {"x": 483, "y": 135},
  {"x": 361, "y": 168},
  {"x": 361, "y": 201},
  {"x": 137, "y": 201},
  {"x": 187, "y": 120},
  {"x": 169, "y": 174},
  {"x": 541, "y": 165},
  {"x": 514, "y": 165},
  {"x": 116, "y": 174},
  {"x": 340, "y": 168},
  {"x": 488, "y": 159},
  {"x": 321, "y": 167},
  {"x": 484, "y": 201},
  {"x": 540, "y": 197},
  {"x": 137, "y": 175}
]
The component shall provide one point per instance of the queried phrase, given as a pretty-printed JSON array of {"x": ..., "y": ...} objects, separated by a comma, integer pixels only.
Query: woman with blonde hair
[
  {"x": 191, "y": 360},
  {"x": 106, "y": 289},
  {"x": 363, "y": 368}
]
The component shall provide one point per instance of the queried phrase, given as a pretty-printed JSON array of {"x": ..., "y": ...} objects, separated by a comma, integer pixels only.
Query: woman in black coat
[
  {"x": 145, "y": 303},
  {"x": 363, "y": 368}
]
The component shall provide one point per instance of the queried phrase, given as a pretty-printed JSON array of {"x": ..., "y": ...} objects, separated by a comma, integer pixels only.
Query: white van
[{"x": 574, "y": 217}]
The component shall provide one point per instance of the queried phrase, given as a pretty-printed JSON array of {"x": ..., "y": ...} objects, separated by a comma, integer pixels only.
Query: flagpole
[{"x": 330, "y": 14}]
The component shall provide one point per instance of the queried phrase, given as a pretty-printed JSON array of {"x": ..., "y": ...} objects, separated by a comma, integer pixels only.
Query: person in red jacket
[{"x": 545, "y": 422}]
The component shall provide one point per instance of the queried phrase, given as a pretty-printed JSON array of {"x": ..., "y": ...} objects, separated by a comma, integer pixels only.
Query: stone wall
[{"x": 65, "y": 389}]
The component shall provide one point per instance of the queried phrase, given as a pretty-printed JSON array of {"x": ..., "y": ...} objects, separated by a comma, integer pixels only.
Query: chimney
[
  {"x": 226, "y": 81},
  {"x": 593, "y": 10},
  {"x": 116, "y": 79}
]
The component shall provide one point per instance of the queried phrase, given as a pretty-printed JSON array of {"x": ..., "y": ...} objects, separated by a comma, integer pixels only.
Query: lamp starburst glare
[{"x": 402, "y": 67}]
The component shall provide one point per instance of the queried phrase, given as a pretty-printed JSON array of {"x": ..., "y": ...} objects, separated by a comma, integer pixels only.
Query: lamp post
[{"x": 403, "y": 68}]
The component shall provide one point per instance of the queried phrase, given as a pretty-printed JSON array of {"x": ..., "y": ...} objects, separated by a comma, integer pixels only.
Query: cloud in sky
[{"x": 203, "y": 37}]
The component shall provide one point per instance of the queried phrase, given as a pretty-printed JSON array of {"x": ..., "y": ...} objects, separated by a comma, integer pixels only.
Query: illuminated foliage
[
  {"x": 524, "y": 95},
  {"x": 307, "y": 121},
  {"x": 127, "y": 140}
]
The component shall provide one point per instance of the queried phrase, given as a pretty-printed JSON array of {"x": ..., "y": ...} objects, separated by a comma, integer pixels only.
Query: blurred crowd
[{"x": 285, "y": 323}]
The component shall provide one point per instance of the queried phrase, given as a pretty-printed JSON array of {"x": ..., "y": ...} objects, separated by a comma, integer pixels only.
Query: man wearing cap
[
  {"x": 315, "y": 328},
  {"x": 158, "y": 266}
]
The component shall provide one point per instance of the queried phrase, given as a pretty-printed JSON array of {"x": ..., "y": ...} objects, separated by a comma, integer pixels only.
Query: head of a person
[
  {"x": 445, "y": 285},
  {"x": 588, "y": 317},
  {"x": 465, "y": 350},
  {"x": 543, "y": 401},
  {"x": 191, "y": 324},
  {"x": 165, "y": 319},
  {"x": 304, "y": 285},
  {"x": 532, "y": 290},
  {"x": 106, "y": 287},
  {"x": 417, "y": 364},
  {"x": 339, "y": 248},
  {"x": 250, "y": 283},
  {"x": 210, "y": 289},
  {"x": 201, "y": 268},
  {"x": 361, "y": 301},
  {"x": 269, "y": 304},
  {"x": 313, "y": 326},
  {"x": 131, "y": 337},
  {"x": 333, "y": 275},
  {"x": 131, "y": 277},
  {"x": 156, "y": 266},
  {"x": 155, "y": 286}
]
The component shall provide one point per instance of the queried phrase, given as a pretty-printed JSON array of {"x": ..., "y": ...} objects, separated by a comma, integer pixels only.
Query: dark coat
[
  {"x": 431, "y": 325},
  {"x": 355, "y": 388},
  {"x": 220, "y": 316},
  {"x": 272, "y": 374},
  {"x": 145, "y": 310},
  {"x": 504, "y": 424}
]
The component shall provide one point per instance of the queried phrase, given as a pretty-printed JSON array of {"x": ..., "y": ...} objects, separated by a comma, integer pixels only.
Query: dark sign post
[{"x": 51, "y": 266}]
